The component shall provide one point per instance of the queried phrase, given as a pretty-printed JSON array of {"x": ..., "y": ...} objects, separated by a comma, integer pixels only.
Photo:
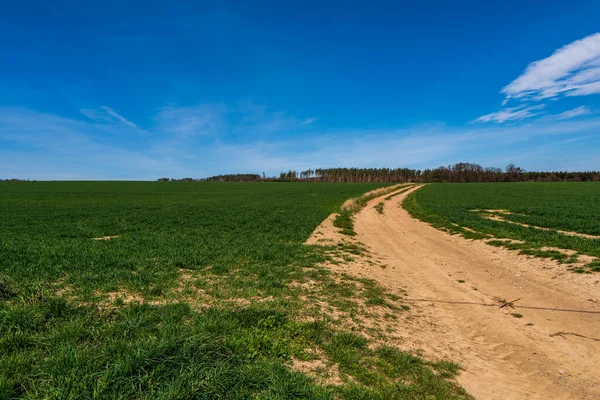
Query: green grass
[
  {"x": 573, "y": 207},
  {"x": 193, "y": 298},
  {"x": 345, "y": 222},
  {"x": 379, "y": 207}
]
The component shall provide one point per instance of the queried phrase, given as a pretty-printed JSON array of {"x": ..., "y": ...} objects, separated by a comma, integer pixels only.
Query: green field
[
  {"x": 487, "y": 210},
  {"x": 194, "y": 295}
]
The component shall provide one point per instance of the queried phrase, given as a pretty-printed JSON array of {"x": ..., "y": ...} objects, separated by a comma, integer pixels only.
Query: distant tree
[
  {"x": 513, "y": 173},
  {"x": 513, "y": 169}
]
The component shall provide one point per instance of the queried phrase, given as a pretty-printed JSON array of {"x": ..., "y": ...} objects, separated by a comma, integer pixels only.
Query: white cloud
[
  {"x": 511, "y": 114},
  {"x": 488, "y": 145},
  {"x": 91, "y": 113},
  {"x": 243, "y": 120},
  {"x": 308, "y": 121},
  {"x": 106, "y": 114},
  {"x": 200, "y": 120},
  {"x": 119, "y": 117},
  {"x": 575, "y": 112},
  {"x": 45, "y": 146},
  {"x": 590, "y": 88},
  {"x": 573, "y": 70},
  {"x": 258, "y": 121}
]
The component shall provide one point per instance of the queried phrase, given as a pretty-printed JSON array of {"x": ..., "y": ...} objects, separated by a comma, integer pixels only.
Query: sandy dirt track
[{"x": 454, "y": 286}]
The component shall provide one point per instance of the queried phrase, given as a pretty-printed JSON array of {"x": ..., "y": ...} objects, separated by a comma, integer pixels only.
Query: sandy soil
[
  {"x": 106, "y": 237},
  {"x": 505, "y": 212},
  {"x": 351, "y": 203},
  {"x": 454, "y": 288}
]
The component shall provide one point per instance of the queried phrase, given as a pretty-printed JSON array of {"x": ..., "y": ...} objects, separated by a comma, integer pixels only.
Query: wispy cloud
[
  {"x": 106, "y": 114},
  {"x": 511, "y": 114},
  {"x": 198, "y": 120},
  {"x": 309, "y": 121},
  {"x": 259, "y": 121},
  {"x": 244, "y": 120},
  {"x": 490, "y": 146},
  {"x": 573, "y": 70},
  {"x": 118, "y": 117},
  {"x": 38, "y": 145},
  {"x": 575, "y": 112}
]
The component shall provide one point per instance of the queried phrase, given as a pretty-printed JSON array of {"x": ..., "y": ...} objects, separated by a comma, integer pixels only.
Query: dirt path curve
[{"x": 504, "y": 357}]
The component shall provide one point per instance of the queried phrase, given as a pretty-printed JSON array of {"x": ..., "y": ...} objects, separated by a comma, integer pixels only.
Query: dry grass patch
[{"x": 106, "y": 237}]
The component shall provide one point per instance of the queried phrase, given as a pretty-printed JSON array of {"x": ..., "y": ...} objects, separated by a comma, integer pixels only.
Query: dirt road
[{"x": 503, "y": 356}]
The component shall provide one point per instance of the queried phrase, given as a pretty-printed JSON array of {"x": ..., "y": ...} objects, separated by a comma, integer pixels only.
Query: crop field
[
  {"x": 554, "y": 220},
  {"x": 117, "y": 290}
]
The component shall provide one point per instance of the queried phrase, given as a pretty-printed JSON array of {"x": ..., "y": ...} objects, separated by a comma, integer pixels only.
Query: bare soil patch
[
  {"x": 324, "y": 373},
  {"x": 106, "y": 237},
  {"x": 496, "y": 215},
  {"x": 454, "y": 288},
  {"x": 351, "y": 203}
]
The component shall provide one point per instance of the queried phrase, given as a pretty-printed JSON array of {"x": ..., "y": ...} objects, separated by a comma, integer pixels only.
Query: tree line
[
  {"x": 460, "y": 172},
  {"x": 220, "y": 178}
]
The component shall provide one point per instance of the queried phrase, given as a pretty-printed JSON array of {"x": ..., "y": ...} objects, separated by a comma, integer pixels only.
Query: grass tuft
[{"x": 344, "y": 221}]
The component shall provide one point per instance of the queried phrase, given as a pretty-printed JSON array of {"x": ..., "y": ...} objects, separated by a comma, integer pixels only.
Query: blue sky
[{"x": 140, "y": 90}]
